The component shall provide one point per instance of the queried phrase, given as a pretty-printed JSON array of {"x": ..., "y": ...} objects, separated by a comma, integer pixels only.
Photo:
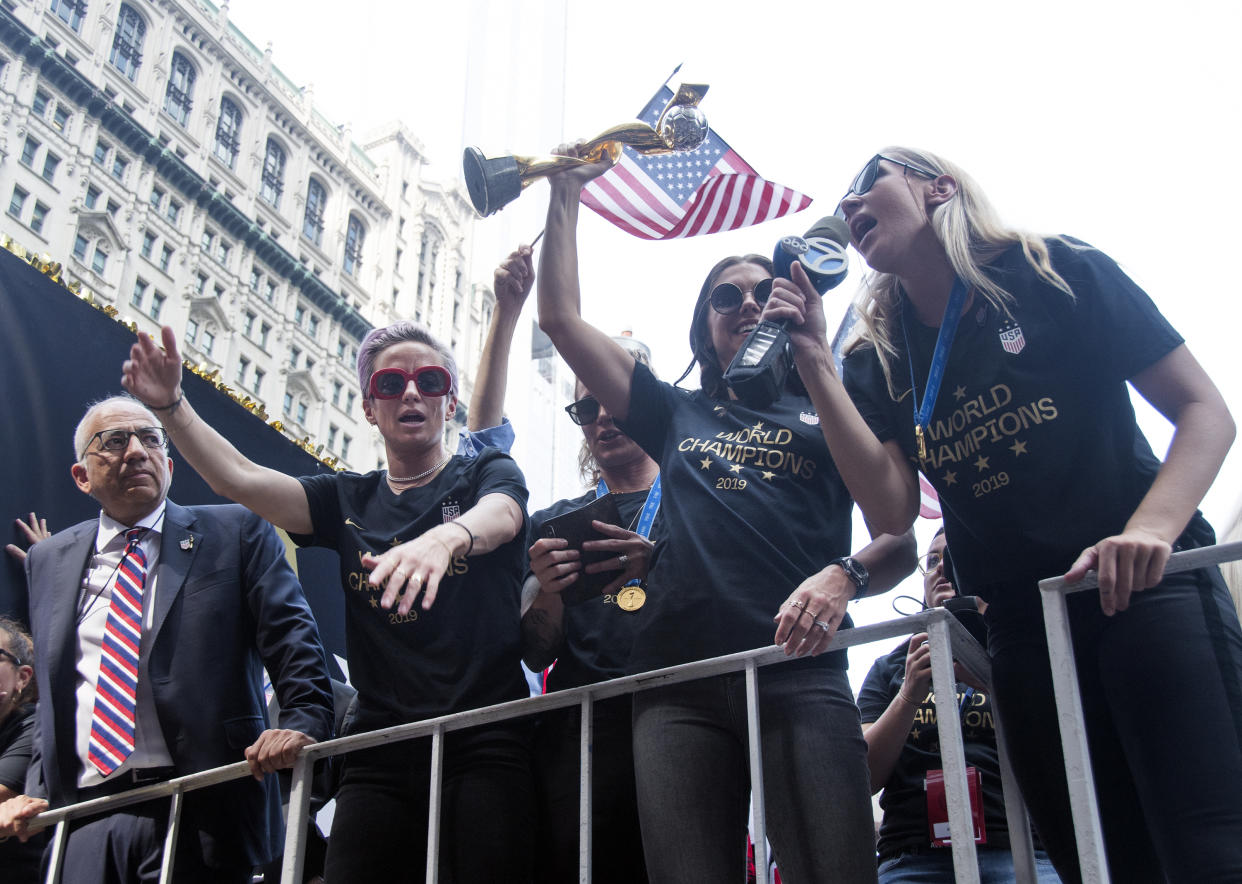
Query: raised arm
[
  {"x": 1179, "y": 388},
  {"x": 513, "y": 281},
  {"x": 879, "y": 478},
  {"x": 154, "y": 377},
  {"x": 602, "y": 365}
]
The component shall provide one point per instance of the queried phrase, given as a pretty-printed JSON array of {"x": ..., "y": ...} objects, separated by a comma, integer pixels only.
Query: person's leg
[
  {"x": 488, "y": 816},
  {"x": 379, "y": 829},
  {"x": 118, "y": 848},
  {"x": 1170, "y": 668},
  {"x": 931, "y": 868},
  {"x": 692, "y": 781},
  {"x": 816, "y": 785}
]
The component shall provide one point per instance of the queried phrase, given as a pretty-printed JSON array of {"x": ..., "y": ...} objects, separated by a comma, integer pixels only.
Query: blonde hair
[
  {"x": 588, "y": 469},
  {"x": 971, "y": 232}
]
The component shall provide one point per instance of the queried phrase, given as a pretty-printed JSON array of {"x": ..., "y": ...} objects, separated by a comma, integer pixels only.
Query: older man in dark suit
[{"x": 151, "y": 626}]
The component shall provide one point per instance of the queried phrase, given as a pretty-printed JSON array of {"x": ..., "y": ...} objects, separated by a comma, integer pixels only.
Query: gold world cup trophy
[{"x": 494, "y": 183}]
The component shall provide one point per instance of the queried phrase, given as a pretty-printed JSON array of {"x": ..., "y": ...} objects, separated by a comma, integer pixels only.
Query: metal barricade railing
[
  {"x": 947, "y": 639},
  {"x": 1083, "y": 805}
]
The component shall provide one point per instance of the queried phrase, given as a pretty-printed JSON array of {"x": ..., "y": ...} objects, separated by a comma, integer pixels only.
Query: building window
[
  {"x": 157, "y": 197},
  {"x": 269, "y": 292},
  {"x": 336, "y": 393},
  {"x": 30, "y": 147},
  {"x": 139, "y": 295},
  {"x": 222, "y": 251},
  {"x": 60, "y": 117},
  {"x": 41, "y": 101},
  {"x": 70, "y": 12},
  {"x": 174, "y": 212},
  {"x": 242, "y": 367},
  {"x": 255, "y": 278},
  {"x": 38, "y": 217},
  {"x": 354, "y": 236},
  {"x": 288, "y": 406},
  {"x": 191, "y": 331},
  {"x": 93, "y": 194},
  {"x": 349, "y": 400},
  {"x": 264, "y": 331},
  {"x": 79, "y": 247},
  {"x": 101, "y": 152},
  {"x": 100, "y": 262},
  {"x": 157, "y": 305},
  {"x": 299, "y": 313},
  {"x": 259, "y": 375},
  {"x": 113, "y": 207},
  {"x": 119, "y": 165},
  {"x": 228, "y": 132},
  {"x": 18, "y": 202},
  {"x": 316, "y": 199},
  {"x": 179, "y": 94},
  {"x": 301, "y": 413},
  {"x": 206, "y": 240},
  {"x": 248, "y": 326},
  {"x": 273, "y": 179},
  {"x": 131, "y": 30},
  {"x": 200, "y": 285},
  {"x": 333, "y": 429},
  {"x": 148, "y": 244},
  {"x": 314, "y": 327},
  {"x": 166, "y": 257},
  {"x": 209, "y": 341},
  {"x": 294, "y": 355},
  {"x": 340, "y": 348},
  {"x": 219, "y": 291},
  {"x": 345, "y": 446}
]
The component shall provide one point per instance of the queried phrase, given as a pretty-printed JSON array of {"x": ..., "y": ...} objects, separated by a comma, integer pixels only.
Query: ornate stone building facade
[{"x": 178, "y": 174}]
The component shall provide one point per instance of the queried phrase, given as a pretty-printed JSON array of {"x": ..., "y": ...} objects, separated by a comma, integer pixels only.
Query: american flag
[
  {"x": 668, "y": 196},
  {"x": 929, "y": 501}
]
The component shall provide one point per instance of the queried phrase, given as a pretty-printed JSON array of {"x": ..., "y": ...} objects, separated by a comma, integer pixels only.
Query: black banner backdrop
[{"x": 58, "y": 354}]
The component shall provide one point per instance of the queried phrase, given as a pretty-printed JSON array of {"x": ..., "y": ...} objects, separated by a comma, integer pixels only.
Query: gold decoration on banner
[{"x": 53, "y": 270}]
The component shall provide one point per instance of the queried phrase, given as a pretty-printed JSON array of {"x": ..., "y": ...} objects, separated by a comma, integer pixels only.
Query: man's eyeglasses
[
  {"x": 390, "y": 383},
  {"x": 11, "y": 656},
  {"x": 116, "y": 441},
  {"x": 583, "y": 412},
  {"x": 865, "y": 179},
  {"x": 726, "y": 298}
]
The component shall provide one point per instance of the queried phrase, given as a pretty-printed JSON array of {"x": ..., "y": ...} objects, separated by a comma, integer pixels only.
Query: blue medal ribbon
[
  {"x": 646, "y": 518},
  {"x": 940, "y": 358}
]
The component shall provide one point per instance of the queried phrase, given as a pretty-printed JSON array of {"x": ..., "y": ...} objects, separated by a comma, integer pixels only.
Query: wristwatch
[{"x": 856, "y": 571}]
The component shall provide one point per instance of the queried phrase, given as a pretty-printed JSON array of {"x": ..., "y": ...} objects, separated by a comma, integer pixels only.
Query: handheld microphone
[{"x": 757, "y": 373}]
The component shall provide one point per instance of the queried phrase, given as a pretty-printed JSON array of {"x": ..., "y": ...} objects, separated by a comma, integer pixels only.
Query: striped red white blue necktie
[{"x": 112, "y": 722}]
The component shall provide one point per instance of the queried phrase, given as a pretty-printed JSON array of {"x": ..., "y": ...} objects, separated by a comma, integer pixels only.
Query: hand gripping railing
[
  {"x": 1086, "y": 812},
  {"x": 947, "y": 639}
]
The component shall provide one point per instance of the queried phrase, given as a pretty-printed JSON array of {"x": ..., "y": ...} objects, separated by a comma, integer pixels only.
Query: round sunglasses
[
  {"x": 583, "y": 412},
  {"x": 390, "y": 383},
  {"x": 727, "y": 298}
]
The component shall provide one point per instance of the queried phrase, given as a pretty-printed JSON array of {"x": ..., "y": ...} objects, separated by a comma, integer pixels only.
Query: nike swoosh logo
[{"x": 355, "y": 524}]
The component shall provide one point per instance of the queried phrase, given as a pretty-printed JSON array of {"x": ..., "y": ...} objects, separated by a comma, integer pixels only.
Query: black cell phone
[{"x": 575, "y": 526}]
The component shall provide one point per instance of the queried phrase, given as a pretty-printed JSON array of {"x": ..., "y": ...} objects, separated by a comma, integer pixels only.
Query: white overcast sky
[{"x": 1116, "y": 122}]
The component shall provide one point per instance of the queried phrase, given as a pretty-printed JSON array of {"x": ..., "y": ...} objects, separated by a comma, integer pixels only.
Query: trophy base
[{"x": 492, "y": 184}]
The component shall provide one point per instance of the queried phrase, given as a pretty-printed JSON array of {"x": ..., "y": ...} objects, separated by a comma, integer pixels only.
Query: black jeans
[
  {"x": 379, "y": 831},
  {"x": 1160, "y": 689},
  {"x": 616, "y": 841}
]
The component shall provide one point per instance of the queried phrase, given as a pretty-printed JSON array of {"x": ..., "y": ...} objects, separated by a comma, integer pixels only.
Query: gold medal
[{"x": 631, "y": 598}]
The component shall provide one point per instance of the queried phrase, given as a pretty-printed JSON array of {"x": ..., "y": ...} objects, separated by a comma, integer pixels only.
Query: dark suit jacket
[{"x": 227, "y": 604}]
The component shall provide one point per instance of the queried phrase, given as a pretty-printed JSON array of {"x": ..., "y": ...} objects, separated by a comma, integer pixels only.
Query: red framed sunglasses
[{"x": 390, "y": 383}]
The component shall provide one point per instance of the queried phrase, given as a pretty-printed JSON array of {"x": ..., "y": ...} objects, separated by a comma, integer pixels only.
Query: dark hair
[
  {"x": 20, "y": 645},
  {"x": 711, "y": 377}
]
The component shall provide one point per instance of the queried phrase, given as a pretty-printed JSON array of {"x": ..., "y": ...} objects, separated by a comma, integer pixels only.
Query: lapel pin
[{"x": 188, "y": 543}]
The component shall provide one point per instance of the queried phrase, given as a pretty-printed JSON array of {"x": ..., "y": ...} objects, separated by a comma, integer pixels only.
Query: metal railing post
[
  {"x": 952, "y": 750},
  {"x": 760, "y": 839},
  {"x": 586, "y": 736},
  {"x": 169, "y": 860},
  {"x": 433, "y": 804},
  {"x": 1016, "y": 819},
  {"x": 57, "y": 860},
  {"x": 297, "y": 820}
]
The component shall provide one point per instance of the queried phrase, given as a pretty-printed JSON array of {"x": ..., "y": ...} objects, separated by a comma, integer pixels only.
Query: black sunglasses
[
  {"x": 727, "y": 298},
  {"x": 16, "y": 660},
  {"x": 865, "y": 179},
  {"x": 584, "y": 411}
]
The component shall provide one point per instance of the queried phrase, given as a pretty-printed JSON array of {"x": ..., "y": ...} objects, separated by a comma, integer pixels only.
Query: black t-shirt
[
  {"x": 753, "y": 505},
  {"x": 1033, "y": 445},
  {"x": 464, "y": 652},
  {"x": 19, "y": 862},
  {"x": 598, "y": 633},
  {"x": 904, "y": 800}
]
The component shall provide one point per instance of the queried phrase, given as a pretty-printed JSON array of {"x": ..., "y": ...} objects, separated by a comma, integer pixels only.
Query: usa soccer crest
[
  {"x": 1012, "y": 339},
  {"x": 809, "y": 417},
  {"x": 450, "y": 511}
]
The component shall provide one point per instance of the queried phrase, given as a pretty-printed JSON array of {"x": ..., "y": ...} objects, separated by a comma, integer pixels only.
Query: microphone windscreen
[{"x": 832, "y": 228}]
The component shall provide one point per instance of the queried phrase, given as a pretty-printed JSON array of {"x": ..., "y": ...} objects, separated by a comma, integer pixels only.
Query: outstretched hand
[
  {"x": 35, "y": 530},
  {"x": 514, "y": 279},
  {"x": 1126, "y": 563},
  {"x": 153, "y": 375},
  {"x": 576, "y": 177}
]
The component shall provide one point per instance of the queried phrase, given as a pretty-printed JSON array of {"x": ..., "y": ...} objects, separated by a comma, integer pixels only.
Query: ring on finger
[
  {"x": 823, "y": 625},
  {"x": 623, "y": 559},
  {"x": 797, "y": 604}
]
